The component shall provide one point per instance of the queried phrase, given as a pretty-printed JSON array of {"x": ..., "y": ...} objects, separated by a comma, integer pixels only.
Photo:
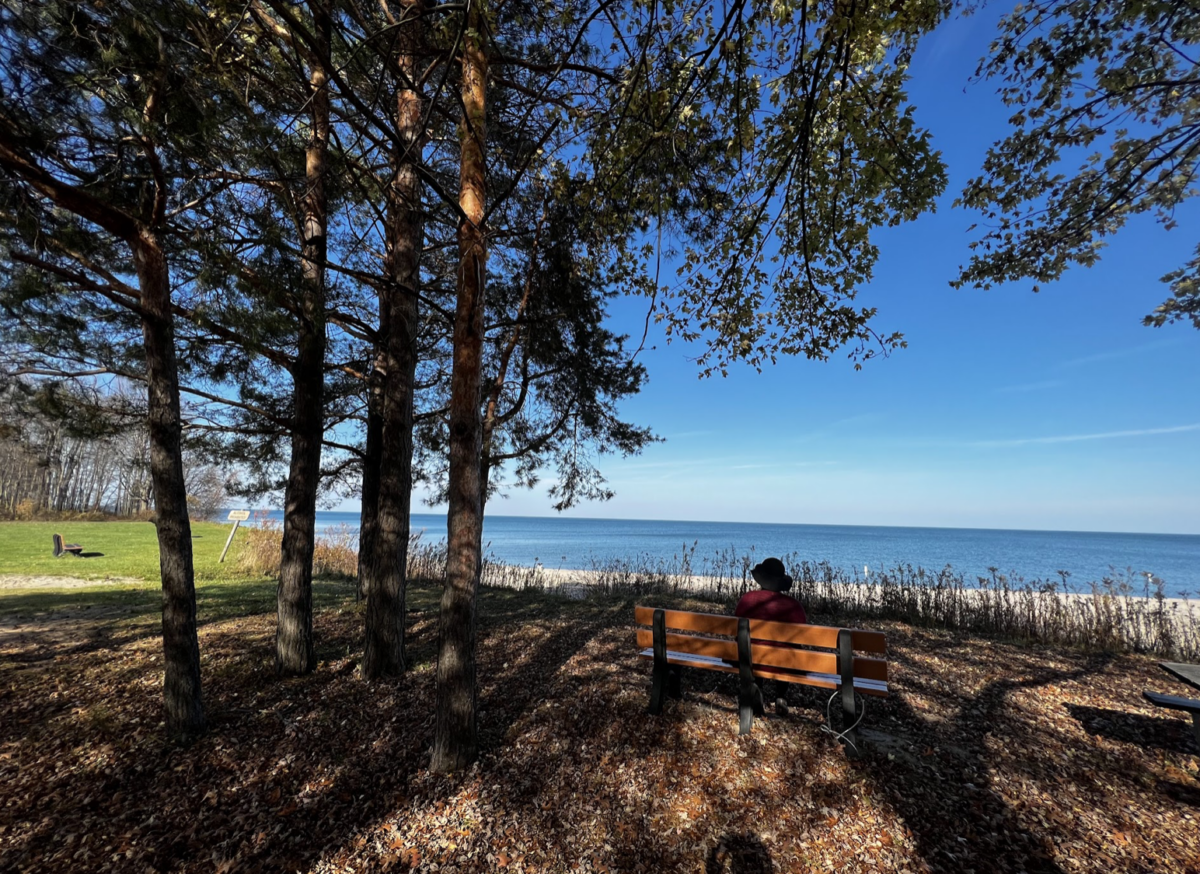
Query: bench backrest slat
[
  {"x": 821, "y": 636},
  {"x": 680, "y": 620},
  {"x": 815, "y": 635}
]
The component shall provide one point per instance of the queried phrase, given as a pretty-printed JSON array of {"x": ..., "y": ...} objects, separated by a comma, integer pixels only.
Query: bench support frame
[
  {"x": 659, "y": 686},
  {"x": 845, "y": 659},
  {"x": 667, "y": 681}
]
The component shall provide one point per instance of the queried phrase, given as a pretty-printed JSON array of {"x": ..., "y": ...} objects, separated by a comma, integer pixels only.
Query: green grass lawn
[
  {"x": 110, "y": 549},
  {"x": 128, "y": 552}
]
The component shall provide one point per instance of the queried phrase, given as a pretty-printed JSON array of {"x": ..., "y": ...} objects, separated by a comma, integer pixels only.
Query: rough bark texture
[
  {"x": 383, "y": 653},
  {"x": 295, "y": 652},
  {"x": 368, "y": 517},
  {"x": 181, "y": 650},
  {"x": 455, "y": 743},
  {"x": 182, "y": 697}
]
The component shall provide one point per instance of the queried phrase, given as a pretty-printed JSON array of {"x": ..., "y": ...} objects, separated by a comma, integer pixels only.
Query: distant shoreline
[
  {"x": 576, "y": 543},
  {"x": 822, "y": 525}
]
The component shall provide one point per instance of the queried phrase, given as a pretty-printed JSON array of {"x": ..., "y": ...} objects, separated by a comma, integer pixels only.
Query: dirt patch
[
  {"x": 45, "y": 635},
  {"x": 34, "y": 581}
]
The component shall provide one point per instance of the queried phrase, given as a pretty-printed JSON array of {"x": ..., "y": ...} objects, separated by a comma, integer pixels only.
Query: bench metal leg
[
  {"x": 749, "y": 705},
  {"x": 850, "y": 739},
  {"x": 658, "y": 687},
  {"x": 657, "y": 694},
  {"x": 780, "y": 697}
]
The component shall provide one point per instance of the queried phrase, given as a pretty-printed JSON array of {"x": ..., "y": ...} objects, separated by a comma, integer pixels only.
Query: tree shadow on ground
[
  {"x": 1164, "y": 733},
  {"x": 330, "y": 772},
  {"x": 289, "y": 771},
  {"x": 947, "y": 766},
  {"x": 739, "y": 854},
  {"x": 63, "y": 623},
  {"x": 1179, "y": 792}
]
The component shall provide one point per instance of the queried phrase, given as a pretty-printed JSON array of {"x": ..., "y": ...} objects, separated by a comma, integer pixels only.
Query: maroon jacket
[{"x": 773, "y": 606}]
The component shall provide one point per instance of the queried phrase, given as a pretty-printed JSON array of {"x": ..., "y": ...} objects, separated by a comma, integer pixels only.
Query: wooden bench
[
  {"x": 1174, "y": 702},
  {"x": 812, "y": 655},
  {"x": 61, "y": 549}
]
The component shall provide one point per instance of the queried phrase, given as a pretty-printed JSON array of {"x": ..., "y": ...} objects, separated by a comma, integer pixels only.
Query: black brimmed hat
[{"x": 769, "y": 574}]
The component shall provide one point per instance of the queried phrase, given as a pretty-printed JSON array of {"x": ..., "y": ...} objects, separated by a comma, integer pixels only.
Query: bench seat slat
[
  {"x": 878, "y": 688},
  {"x": 714, "y": 647},
  {"x": 823, "y": 680},
  {"x": 695, "y": 659}
]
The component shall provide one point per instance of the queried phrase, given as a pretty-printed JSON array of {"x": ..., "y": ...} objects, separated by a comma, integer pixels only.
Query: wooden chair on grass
[{"x": 61, "y": 549}]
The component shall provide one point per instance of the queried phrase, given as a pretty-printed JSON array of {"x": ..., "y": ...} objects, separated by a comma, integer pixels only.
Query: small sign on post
[{"x": 237, "y": 517}]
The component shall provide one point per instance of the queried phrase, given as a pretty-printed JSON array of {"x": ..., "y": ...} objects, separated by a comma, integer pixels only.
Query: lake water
[{"x": 574, "y": 543}]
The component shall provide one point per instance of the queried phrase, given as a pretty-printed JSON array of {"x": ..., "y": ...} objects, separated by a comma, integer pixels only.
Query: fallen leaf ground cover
[{"x": 989, "y": 756}]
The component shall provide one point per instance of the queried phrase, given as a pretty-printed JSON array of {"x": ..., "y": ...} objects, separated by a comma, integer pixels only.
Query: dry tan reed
[
  {"x": 1114, "y": 614},
  {"x": 335, "y": 553}
]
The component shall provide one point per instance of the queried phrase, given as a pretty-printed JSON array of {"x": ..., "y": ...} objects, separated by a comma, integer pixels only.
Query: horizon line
[{"x": 786, "y": 524}]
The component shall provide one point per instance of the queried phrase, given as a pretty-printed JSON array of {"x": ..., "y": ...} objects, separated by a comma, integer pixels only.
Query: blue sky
[{"x": 1009, "y": 409}]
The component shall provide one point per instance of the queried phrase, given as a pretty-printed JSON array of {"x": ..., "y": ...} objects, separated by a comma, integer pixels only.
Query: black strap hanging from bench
[{"x": 750, "y": 703}]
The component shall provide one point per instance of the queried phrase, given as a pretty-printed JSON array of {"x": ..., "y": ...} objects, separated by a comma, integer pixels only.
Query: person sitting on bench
[{"x": 772, "y": 604}]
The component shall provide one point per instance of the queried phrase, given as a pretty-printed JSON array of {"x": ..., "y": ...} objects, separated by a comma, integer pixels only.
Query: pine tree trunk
[
  {"x": 181, "y": 650},
  {"x": 368, "y": 517},
  {"x": 295, "y": 652},
  {"x": 64, "y": 484},
  {"x": 455, "y": 744},
  {"x": 383, "y": 653}
]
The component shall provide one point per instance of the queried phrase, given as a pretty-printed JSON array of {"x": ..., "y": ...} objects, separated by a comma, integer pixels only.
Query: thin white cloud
[
  {"x": 781, "y": 464},
  {"x": 1077, "y": 438},
  {"x": 682, "y": 463},
  {"x": 1119, "y": 353},
  {"x": 1031, "y": 386},
  {"x": 837, "y": 426}
]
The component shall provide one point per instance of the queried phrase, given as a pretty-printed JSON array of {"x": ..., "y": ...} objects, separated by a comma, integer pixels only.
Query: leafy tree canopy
[
  {"x": 1115, "y": 86},
  {"x": 790, "y": 139}
]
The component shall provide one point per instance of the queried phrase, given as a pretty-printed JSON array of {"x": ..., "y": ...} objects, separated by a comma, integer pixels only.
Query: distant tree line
[
  {"x": 64, "y": 449},
  {"x": 80, "y": 449}
]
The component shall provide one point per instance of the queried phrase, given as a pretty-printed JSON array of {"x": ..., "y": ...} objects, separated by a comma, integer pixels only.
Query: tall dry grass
[
  {"x": 335, "y": 553},
  {"x": 1121, "y": 612}
]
